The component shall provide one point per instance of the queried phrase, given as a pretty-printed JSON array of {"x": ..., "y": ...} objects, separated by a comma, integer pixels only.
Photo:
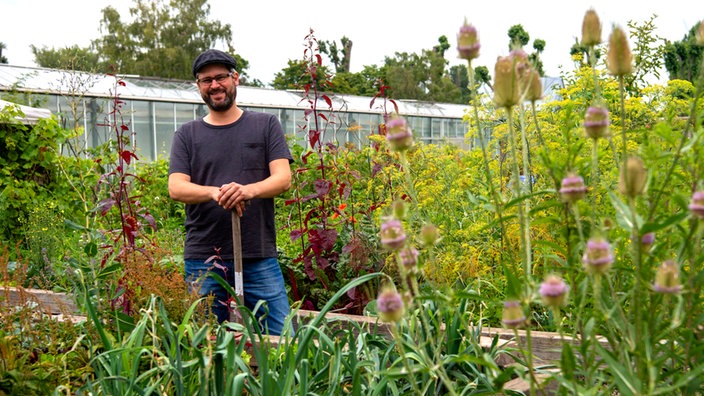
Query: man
[{"x": 231, "y": 159}]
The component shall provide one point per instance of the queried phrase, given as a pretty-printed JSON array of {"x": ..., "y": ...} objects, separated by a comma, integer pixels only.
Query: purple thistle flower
[
  {"x": 596, "y": 122},
  {"x": 597, "y": 258},
  {"x": 554, "y": 291},
  {"x": 513, "y": 316},
  {"x": 573, "y": 188},
  {"x": 667, "y": 278},
  {"x": 390, "y": 305},
  {"x": 392, "y": 235},
  {"x": 398, "y": 134},
  {"x": 697, "y": 204},
  {"x": 468, "y": 42}
]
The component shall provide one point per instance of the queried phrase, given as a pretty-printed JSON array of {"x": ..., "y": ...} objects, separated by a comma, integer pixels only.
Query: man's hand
[{"x": 234, "y": 196}]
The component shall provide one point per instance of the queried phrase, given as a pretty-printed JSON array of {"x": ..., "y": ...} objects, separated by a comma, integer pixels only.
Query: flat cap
[{"x": 208, "y": 57}]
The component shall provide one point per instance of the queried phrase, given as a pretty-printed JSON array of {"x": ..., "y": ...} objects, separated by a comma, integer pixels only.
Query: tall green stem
[{"x": 517, "y": 193}]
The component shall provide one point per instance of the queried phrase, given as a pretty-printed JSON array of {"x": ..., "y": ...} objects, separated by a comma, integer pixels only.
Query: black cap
[{"x": 211, "y": 56}]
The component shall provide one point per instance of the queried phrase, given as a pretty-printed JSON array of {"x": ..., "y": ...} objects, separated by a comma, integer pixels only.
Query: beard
[{"x": 223, "y": 105}]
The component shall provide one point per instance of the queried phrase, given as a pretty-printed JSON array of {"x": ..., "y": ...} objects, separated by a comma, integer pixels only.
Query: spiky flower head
[
  {"x": 596, "y": 122},
  {"x": 697, "y": 204},
  {"x": 513, "y": 316},
  {"x": 399, "y": 208},
  {"x": 399, "y": 134},
  {"x": 591, "y": 28},
  {"x": 553, "y": 291},
  {"x": 511, "y": 78},
  {"x": 429, "y": 234},
  {"x": 468, "y": 42},
  {"x": 390, "y": 305},
  {"x": 632, "y": 178},
  {"x": 597, "y": 257},
  {"x": 573, "y": 188},
  {"x": 535, "y": 89},
  {"x": 646, "y": 241},
  {"x": 409, "y": 259},
  {"x": 392, "y": 235},
  {"x": 619, "y": 59},
  {"x": 700, "y": 33},
  {"x": 667, "y": 278}
]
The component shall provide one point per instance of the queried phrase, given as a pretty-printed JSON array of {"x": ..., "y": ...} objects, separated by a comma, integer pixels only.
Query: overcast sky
[{"x": 269, "y": 33}]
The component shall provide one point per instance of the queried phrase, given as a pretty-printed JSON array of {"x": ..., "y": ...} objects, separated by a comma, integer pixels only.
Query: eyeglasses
[{"x": 220, "y": 78}]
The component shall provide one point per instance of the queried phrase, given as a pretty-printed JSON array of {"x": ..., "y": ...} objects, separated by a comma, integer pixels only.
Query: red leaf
[
  {"x": 327, "y": 100},
  {"x": 296, "y": 234}
]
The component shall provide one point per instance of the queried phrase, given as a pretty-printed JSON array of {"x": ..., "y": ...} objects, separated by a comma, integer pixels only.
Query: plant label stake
[{"x": 235, "y": 314}]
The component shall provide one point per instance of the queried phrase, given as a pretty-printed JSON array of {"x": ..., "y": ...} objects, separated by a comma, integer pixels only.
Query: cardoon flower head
[
  {"x": 392, "y": 235},
  {"x": 591, "y": 28},
  {"x": 398, "y": 134},
  {"x": 596, "y": 122},
  {"x": 573, "y": 188},
  {"x": 667, "y": 278},
  {"x": 468, "y": 42},
  {"x": 409, "y": 259},
  {"x": 619, "y": 59},
  {"x": 390, "y": 305},
  {"x": 632, "y": 178},
  {"x": 597, "y": 258},
  {"x": 553, "y": 291},
  {"x": 513, "y": 316},
  {"x": 697, "y": 204}
]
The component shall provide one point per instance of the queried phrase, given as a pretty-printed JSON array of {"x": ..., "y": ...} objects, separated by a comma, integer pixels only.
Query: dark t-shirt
[{"x": 216, "y": 155}]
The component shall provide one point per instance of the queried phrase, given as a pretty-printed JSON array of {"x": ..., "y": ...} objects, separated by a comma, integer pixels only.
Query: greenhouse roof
[{"x": 64, "y": 82}]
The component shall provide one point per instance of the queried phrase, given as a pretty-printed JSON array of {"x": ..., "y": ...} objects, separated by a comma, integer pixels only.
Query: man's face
[{"x": 218, "y": 87}]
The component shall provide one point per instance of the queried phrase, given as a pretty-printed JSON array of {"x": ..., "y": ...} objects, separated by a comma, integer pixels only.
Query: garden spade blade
[{"x": 235, "y": 314}]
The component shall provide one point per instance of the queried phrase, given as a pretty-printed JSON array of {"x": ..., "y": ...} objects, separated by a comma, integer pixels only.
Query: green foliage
[
  {"x": 68, "y": 58},
  {"x": 683, "y": 58}
]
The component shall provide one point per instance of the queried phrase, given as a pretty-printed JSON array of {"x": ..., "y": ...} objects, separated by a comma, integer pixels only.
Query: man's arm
[
  {"x": 278, "y": 182},
  {"x": 183, "y": 190}
]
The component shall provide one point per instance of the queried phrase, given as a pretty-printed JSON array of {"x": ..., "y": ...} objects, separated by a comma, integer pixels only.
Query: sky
[{"x": 268, "y": 33}]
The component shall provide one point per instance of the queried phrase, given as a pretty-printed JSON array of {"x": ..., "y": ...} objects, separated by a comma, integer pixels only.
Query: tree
[
  {"x": 683, "y": 59},
  {"x": 3, "y": 59},
  {"x": 341, "y": 58},
  {"x": 68, "y": 58},
  {"x": 162, "y": 40},
  {"x": 295, "y": 76}
]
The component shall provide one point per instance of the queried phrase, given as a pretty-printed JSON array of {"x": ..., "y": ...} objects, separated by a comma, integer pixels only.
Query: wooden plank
[{"x": 47, "y": 301}]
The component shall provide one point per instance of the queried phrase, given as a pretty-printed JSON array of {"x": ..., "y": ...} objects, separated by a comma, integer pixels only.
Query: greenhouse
[{"x": 154, "y": 108}]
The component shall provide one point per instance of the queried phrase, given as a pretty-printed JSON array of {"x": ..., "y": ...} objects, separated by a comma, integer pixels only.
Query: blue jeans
[{"x": 262, "y": 279}]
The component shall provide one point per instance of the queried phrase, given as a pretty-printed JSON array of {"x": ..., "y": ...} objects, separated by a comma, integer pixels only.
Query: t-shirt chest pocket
[{"x": 254, "y": 156}]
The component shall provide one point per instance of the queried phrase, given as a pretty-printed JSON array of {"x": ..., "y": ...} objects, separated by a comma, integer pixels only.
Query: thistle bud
[
  {"x": 700, "y": 33},
  {"x": 619, "y": 59},
  {"x": 553, "y": 291},
  {"x": 573, "y": 188},
  {"x": 392, "y": 235},
  {"x": 597, "y": 257},
  {"x": 591, "y": 29},
  {"x": 398, "y": 134},
  {"x": 513, "y": 316},
  {"x": 429, "y": 234},
  {"x": 468, "y": 42},
  {"x": 506, "y": 87},
  {"x": 390, "y": 305},
  {"x": 535, "y": 89},
  {"x": 667, "y": 278},
  {"x": 596, "y": 122},
  {"x": 697, "y": 204},
  {"x": 399, "y": 209},
  {"x": 632, "y": 179}
]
